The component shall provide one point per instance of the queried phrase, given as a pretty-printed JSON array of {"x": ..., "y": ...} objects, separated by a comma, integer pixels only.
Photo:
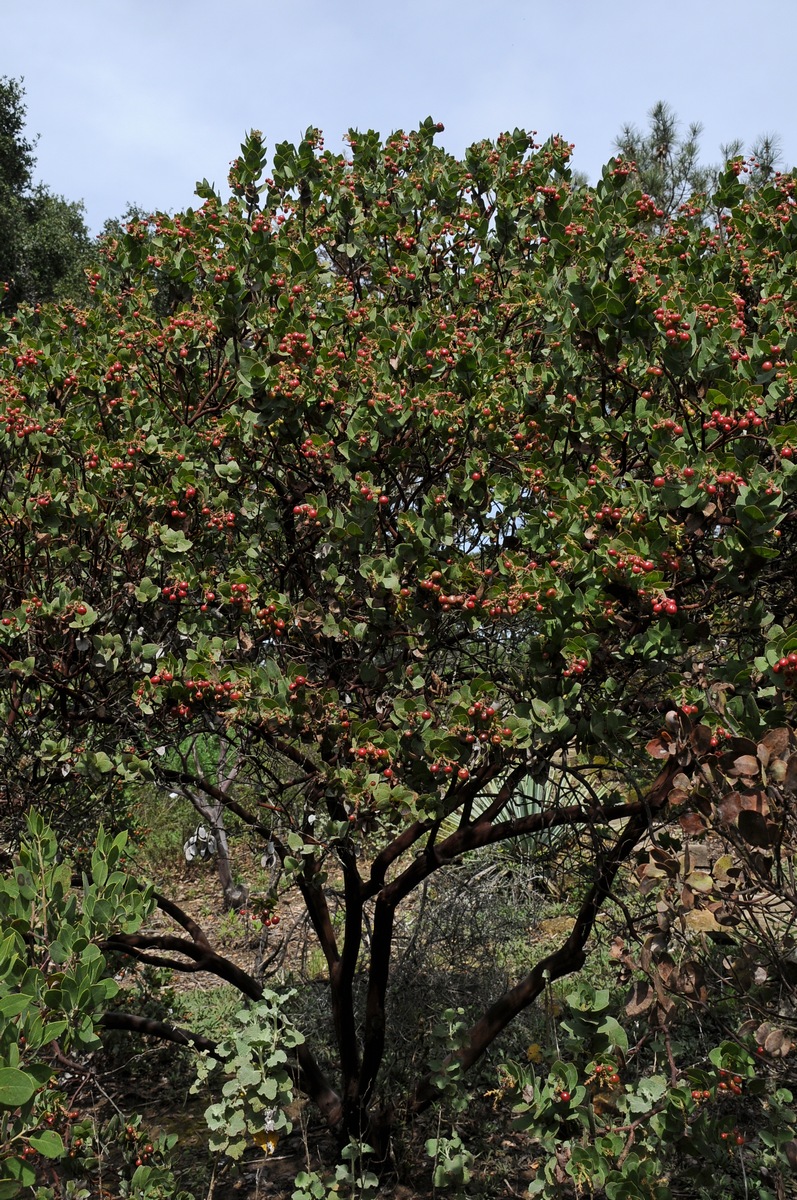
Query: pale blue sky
[{"x": 136, "y": 101}]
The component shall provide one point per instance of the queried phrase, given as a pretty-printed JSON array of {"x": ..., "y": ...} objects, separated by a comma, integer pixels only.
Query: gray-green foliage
[
  {"x": 258, "y": 1086},
  {"x": 54, "y": 980}
]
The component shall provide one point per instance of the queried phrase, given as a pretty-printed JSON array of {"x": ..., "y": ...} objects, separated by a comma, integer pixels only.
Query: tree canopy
[
  {"x": 417, "y": 481},
  {"x": 44, "y": 242}
]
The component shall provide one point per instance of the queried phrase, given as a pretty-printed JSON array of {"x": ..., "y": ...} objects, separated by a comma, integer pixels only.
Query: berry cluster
[
  {"x": 219, "y": 520},
  {"x": 605, "y": 1075},
  {"x": 608, "y": 515},
  {"x": 240, "y": 596},
  {"x": 487, "y": 728},
  {"x": 297, "y": 346},
  {"x": 296, "y": 687},
  {"x": 732, "y": 423},
  {"x": 28, "y": 358},
  {"x": 369, "y": 753},
  {"x": 202, "y": 690},
  {"x": 305, "y": 510},
  {"x": 19, "y": 423},
  {"x": 630, "y": 561},
  {"x": 787, "y": 666},
  {"x": 675, "y": 326},
  {"x": 269, "y": 617},
  {"x": 175, "y": 592}
]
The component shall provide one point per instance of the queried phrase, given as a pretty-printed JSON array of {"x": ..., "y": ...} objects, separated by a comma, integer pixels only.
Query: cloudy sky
[{"x": 134, "y": 102}]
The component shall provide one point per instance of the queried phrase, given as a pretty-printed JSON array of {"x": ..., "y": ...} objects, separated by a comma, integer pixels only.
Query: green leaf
[
  {"x": 16, "y": 1087},
  {"x": 229, "y": 471},
  {"x": 11, "y": 1006},
  {"x": 48, "y": 1143},
  {"x": 147, "y": 591},
  {"x": 174, "y": 540}
]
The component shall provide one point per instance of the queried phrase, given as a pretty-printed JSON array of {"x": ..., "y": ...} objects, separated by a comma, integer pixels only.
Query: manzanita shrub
[{"x": 416, "y": 479}]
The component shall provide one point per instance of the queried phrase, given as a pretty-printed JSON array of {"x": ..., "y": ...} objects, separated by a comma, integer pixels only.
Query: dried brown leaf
[
  {"x": 692, "y": 824},
  {"x": 701, "y": 739},
  {"x": 652, "y": 951},
  {"x": 755, "y": 802},
  {"x": 617, "y": 948},
  {"x": 660, "y": 747},
  {"x": 778, "y": 1044},
  {"x": 665, "y": 965},
  {"x": 701, "y": 920},
  {"x": 745, "y": 764},
  {"x": 729, "y": 808},
  {"x": 778, "y": 768},
  {"x": 690, "y": 980},
  {"x": 742, "y": 745},
  {"x": 776, "y": 741},
  {"x": 640, "y": 999}
]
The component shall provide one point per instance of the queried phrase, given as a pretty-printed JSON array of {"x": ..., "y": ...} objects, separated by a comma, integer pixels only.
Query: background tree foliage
[
  {"x": 413, "y": 481},
  {"x": 44, "y": 242},
  {"x": 668, "y": 162}
]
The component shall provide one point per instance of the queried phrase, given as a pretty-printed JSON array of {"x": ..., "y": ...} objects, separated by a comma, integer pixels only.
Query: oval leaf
[
  {"x": 16, "y": 1087},
  {"x": 692, "y": 824},
  {"x": 48, "y": 1143},
  {"x": 729, "y": 808},
  {"x": 745, "y": 764},
  {"x": 657, "y": 748}
]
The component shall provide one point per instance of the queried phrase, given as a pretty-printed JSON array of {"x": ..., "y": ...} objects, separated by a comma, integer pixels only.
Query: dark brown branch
[
  {"x": 160, "y": 960},
  {"x": 182, "y": 918},
  {"x": 413, "y": 833},
  {"x": 385, "y": 859},
  {"x": 195, "y": 781},
  {"x": 502, "y": 797},
  {"x": 318, "y": 911},
  {"x": 477, "y": 835},
  {"x": 136, "y": 945},
  {"x": 341, "y": 976},
  {"x": 375, "y": 1022},
  {"x": 310, "y": 1076},
  {"x": 160, "y": 1029}
]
